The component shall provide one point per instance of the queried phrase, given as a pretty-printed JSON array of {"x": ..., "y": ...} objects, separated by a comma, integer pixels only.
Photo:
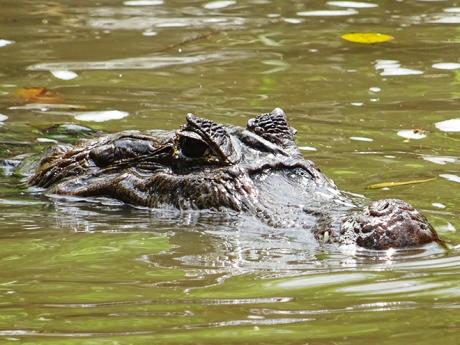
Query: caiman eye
[{"x": 192, "y": 148}]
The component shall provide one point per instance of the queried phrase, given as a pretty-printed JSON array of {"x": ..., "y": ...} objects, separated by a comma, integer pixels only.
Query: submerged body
[{"x": 257, "y": 170}]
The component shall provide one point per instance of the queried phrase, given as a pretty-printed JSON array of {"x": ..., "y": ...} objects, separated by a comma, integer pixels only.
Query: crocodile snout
[{"x": 389, "y": 223}]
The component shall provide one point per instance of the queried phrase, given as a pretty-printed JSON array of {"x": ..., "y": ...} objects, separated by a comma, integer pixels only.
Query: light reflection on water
[{"x": 78, "y": 272}]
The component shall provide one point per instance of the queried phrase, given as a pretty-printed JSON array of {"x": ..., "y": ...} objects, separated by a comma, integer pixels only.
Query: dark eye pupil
[{"x": 192, "y": 148}]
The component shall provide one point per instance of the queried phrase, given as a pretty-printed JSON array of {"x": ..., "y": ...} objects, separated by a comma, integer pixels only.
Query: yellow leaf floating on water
[
  {"x": 367, "y": 37},
  {"x": 396, "y": 184}
]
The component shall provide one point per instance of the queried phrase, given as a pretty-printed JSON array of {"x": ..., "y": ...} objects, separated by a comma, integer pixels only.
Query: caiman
[{"x": 257, "y": 170}]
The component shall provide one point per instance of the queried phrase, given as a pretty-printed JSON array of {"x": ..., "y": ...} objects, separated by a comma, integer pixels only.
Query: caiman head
[{"x": 205, "y": 165}]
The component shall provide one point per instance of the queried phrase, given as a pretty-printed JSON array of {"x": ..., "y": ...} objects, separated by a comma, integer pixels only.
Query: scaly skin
[{"x": 204, "y": 165}]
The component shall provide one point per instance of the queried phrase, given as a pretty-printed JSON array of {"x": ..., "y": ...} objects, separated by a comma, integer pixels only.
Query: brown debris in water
[{"x": 38, "y": 95}]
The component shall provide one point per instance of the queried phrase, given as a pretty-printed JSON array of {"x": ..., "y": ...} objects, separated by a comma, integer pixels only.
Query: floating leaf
[
  {"x": 279, "y": 66},
  {"x": 452, "y": 125},
  {"x": 367, "y": 37},
  {"x": 47, "y": 140},
  {"x": 438, "y": 205},
  {"x": 4, "y": 42},
  {"x": 38, "y": 95},
  {"x": 143, "y": 3},
  {"x": 64, "y": 75},
  {"x": 393, "y": 68},
  {"x": 214, "y": 5},
  {"x": 101, "y": 116},
  {"x": 396, "y": 183},
  {"x": 328, "y": 13},
  {"x": 149, "y": 33},
  {"x": 415, "y": 134},
  {"x": 440, "y": 159},
  {"x": 352, "y": 4},
  {"x": 308, "y": 148},
  {"x": 446, "y": 65},
  {"x": 292, "y": 20},
  {"x": 361, "y": 139},
  {"x": 268, "y": 41},
  {"x": 451, "y": 177},
  {"x": 446, "y": 228}
]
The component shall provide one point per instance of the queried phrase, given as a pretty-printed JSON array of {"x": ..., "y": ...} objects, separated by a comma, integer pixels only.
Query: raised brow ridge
[
  {"x": 215, "y": 135},
  {"x": 273, "y": 127}
]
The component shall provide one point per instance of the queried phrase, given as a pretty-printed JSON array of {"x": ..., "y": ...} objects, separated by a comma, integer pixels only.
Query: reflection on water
[{"x": 79, "y": 272}]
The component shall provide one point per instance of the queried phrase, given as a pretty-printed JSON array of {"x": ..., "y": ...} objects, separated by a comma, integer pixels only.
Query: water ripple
[
  {"x": 142, "y": 23},
  {"x": 176, "y": 301},
  {"x": 148, "y": 62}
]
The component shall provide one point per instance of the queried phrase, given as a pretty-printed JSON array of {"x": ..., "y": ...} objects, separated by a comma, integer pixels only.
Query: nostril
[
  {"x": 379, "y": 208},
  {"x": 383, "y": 205}
]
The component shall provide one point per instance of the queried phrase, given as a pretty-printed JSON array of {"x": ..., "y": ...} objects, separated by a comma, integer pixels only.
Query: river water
[{"x": 74, "y": 272}]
